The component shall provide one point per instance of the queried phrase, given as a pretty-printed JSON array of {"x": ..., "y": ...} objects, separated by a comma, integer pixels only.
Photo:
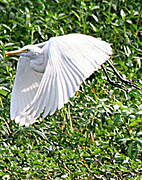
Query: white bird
[{"x": 49, "y": 73}]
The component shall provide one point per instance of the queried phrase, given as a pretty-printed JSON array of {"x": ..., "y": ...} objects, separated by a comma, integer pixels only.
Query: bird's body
[{"x": 48, "y": 74}]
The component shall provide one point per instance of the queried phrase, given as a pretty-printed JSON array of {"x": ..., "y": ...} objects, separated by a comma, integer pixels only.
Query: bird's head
[{"x": 29, "y": 50}]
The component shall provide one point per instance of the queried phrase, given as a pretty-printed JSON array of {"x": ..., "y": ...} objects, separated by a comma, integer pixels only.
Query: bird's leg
[
  {"x": 110, "y": 81},
  {"x": 126, "y": 81}
]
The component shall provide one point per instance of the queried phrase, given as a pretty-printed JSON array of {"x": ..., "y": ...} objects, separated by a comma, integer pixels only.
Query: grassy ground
[{"x": 98, "y": 134}]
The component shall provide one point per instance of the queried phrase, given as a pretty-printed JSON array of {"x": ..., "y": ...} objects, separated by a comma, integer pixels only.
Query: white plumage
[{"x": 48, "y": 74}]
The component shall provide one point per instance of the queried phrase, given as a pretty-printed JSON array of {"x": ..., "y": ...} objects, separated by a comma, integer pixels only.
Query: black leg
[
  {"x": 112, "y": 82},
  {"x": 130, "y": 83}
]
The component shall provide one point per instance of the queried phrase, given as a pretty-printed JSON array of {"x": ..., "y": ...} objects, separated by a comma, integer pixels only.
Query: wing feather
[
  {"x": 70, "y": 60},
  {"x": 25, "y": 86}
]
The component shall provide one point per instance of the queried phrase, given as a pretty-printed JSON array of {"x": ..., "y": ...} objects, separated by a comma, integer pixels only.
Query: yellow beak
[{"x": 15, "y": 52}]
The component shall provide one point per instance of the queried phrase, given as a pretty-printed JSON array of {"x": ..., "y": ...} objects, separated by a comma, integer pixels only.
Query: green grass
[{"x": 98, "y": 134}]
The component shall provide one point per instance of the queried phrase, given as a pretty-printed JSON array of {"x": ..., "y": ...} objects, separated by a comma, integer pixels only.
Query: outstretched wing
[
  {"x": 25, "y": 87},
  {"x": 70, "y": 60}
]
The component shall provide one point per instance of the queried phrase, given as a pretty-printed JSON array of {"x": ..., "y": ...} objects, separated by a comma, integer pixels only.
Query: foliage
[{"x": 97, "y": 135}]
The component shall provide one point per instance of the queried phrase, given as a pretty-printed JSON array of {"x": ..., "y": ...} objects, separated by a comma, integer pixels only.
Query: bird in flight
[{"x": 49, "y": 73}]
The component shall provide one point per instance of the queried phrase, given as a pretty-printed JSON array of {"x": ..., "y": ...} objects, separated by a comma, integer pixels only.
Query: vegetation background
[{"x": 97, "y": 135}]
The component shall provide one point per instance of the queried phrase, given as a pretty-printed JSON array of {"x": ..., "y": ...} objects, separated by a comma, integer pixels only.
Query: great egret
[{"x": 49, "y": 73}]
